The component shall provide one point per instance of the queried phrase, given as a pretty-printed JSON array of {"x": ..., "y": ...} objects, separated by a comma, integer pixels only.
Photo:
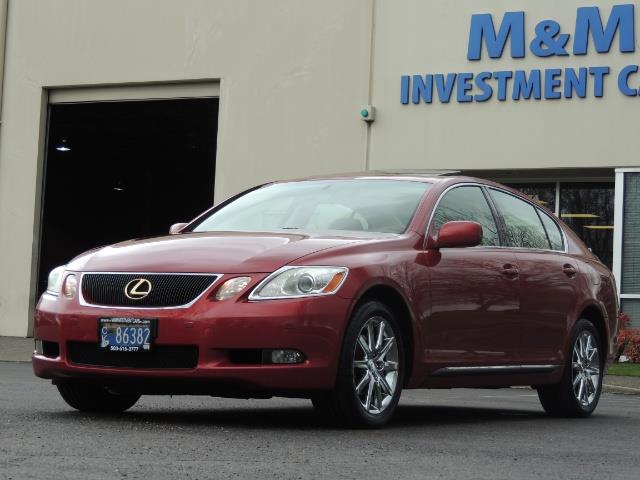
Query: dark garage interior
[{"x": 121, "y": 170}]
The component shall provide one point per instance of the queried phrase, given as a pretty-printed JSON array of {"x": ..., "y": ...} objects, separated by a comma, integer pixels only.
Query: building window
[
  {"x": 587, "y": 208},
  {"x": 631, "y": 234},
  {"x": 542, "y": 193},
  {"x": 627, "y": 268}
]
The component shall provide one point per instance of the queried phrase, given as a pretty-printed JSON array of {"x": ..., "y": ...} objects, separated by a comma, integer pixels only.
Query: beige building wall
[
  {"x": 420, "y": 37},
  {"x": 292, "y": 76}
]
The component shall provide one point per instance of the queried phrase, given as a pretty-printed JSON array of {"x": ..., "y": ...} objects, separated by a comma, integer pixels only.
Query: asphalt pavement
[{"x": 449, "y": 434}]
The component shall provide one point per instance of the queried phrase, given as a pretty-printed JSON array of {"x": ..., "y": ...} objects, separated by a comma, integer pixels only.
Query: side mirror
[
  {"x": 459, "y": 234},
  {"x": 176, "y": 228}
]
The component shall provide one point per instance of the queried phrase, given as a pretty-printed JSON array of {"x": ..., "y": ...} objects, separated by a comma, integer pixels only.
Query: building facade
[{"x": 119, "y": 118}]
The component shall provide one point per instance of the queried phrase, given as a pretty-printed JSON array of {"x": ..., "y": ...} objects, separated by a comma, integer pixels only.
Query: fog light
[
  {"x": 286, "y": 356},
  {"x": 39, "y": 348}
]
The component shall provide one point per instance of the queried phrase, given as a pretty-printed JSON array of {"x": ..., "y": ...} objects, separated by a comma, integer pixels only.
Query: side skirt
[{"x": 494, "y": 370}]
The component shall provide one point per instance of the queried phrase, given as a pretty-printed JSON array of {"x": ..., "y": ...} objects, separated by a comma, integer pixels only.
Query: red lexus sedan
[{"x": 344, "y": 290}]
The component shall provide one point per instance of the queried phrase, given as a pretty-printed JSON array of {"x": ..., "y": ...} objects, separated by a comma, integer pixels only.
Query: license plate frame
[{"x": 132, "y": 329}]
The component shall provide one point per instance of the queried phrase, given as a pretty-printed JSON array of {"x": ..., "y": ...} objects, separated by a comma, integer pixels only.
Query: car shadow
[
  {"x": 427, "y": 415},
  {"x": 304, "y": 417}
]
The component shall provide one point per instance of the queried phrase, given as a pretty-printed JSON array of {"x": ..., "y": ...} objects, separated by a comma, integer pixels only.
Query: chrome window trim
[
  {"x": 494, "y": 369},
  {"x": 482, "y": 185},
  {"x": 84, "y": 303}
]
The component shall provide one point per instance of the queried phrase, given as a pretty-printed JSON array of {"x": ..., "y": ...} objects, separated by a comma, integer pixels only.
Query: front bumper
[{"x": 313, "y": 326}]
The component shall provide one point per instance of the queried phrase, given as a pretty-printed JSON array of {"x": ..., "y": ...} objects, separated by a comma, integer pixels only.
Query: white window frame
[{"x": 619, "y": 228}]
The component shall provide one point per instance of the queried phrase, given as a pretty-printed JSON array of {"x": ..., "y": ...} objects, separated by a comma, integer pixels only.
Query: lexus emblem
[{"x": 137, "y": 289}]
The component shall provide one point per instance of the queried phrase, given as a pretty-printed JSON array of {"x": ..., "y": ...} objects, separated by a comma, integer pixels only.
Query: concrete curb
[
  {"x": 15, "y": 349},
  {"x": 619, "y": 390}
]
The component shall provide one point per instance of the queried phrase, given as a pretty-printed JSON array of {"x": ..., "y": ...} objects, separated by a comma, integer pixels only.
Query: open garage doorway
[{"x": 121, "y": 170}]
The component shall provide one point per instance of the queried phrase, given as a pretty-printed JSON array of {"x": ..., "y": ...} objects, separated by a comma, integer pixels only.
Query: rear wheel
[
  {"x": 370, "y": 373},
  {"x": 578, "y": 392},
  {"x": 95, "y": 398}
]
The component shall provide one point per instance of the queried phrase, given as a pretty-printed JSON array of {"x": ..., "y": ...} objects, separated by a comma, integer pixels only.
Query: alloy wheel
[
  {"x": 375, "y": 365},
  {"x": 586, "y": 368}
]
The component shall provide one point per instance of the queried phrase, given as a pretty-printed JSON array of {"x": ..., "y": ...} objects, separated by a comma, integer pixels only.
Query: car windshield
[{"x": 319, "y": 206}]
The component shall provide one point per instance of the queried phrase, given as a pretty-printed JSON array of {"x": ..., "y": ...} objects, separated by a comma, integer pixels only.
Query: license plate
[{"x": 126, "y": 334}]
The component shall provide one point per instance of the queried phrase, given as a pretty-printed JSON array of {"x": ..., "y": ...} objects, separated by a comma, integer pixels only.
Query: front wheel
[
  {"x": 578, "y": 392},
  {"x": 370, "y": 372},
  {"x": 95, "y": 398}
]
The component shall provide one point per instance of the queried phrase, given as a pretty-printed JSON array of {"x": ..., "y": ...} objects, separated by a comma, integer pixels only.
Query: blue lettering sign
[
  {"x": 575, "y": 83},
  {"x": 503, "y": 80},
  {"x": 485, "y": 88},
  {"x": 422, "y": 89},
  {"x": 465, "y": 85},
  {"x": 622, "y": 19},
  {"x": 548, "y": 40},
  {"x": 551, "y": 83},
  {"x": 623, "y": 81},
  {"x": 482, "y": 29},
  {"x": 525, "y": 88},
  {"x": 405, "y": 82},
  {"x": 445, "y": 88},
  {"x": 598, "y": 74}
]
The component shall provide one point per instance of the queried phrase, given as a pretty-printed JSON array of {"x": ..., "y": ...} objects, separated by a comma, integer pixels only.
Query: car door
[
  {"x": 548, "y": 277},
  {"x": 474, "y": 291}
]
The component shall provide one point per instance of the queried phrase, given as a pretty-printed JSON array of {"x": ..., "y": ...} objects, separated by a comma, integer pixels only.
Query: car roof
[{"x": 424, "y": 176}]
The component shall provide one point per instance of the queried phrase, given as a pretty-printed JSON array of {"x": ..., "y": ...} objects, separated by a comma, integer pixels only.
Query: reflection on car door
[
  {"x": 474, "y": 291},
  {"x": 548, "y": 278}
]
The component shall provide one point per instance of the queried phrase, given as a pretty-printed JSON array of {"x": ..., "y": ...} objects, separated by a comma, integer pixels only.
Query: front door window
[{"x": 467, "y": 203}]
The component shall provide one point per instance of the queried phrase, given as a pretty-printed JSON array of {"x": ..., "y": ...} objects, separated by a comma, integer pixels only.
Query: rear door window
[
  {"x": 523, "y": 227},
  {"x": 553, "y": 231}
]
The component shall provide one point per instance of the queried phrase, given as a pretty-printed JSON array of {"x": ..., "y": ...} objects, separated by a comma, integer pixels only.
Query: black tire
[
  {"x": 95, "y": 398},
  {"x": 343, "y": 406},
  {"x": 561, "y": 400}
]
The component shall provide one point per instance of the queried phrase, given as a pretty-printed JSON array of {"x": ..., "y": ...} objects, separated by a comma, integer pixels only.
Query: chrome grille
[{"x": 168, "y": 290}]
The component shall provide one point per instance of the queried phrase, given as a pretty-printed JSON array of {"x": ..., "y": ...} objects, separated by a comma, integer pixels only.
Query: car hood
[{"x": 220, "y": 252}]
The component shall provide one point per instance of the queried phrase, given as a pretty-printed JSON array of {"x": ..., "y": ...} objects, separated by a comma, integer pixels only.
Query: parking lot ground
[{"x": 449, "y": 434}]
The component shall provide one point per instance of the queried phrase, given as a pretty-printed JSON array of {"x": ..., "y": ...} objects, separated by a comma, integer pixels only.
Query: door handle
[
  {"x": 510, "y": 271},
  {"x": 569, "y": 270}
]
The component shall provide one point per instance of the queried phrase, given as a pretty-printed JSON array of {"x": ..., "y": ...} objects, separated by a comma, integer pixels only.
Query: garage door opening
[{"x": 121, "y": 170}]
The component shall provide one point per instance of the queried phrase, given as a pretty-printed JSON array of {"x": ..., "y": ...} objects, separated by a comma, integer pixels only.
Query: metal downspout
[{"x": 4, "y": 10}]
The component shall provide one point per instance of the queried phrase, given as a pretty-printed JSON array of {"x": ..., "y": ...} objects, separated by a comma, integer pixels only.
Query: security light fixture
[{"x": 63, "y": 146}]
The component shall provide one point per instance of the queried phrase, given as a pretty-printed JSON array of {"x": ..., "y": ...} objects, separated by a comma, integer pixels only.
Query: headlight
[
  {"x": 54, "y": 283},
  {"x": 292, "y": 282},
  {"x": 70, "y": 285},
  {"x": 232, "y": 287}
]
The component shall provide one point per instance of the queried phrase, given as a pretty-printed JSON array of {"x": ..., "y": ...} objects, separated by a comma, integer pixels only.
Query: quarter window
[
  {"x": 523, "y": 227},
  {"x": 467, "y": 204},
  {"x": 553, "y": 231}
]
